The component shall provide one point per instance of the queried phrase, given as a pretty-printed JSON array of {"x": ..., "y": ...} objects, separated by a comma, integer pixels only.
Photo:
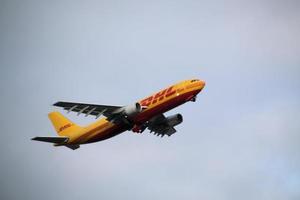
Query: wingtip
[{"x": 56, "y": 103}]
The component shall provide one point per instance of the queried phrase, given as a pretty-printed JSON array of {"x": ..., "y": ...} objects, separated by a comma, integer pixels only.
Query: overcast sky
[{"x": 240, "y": 140}]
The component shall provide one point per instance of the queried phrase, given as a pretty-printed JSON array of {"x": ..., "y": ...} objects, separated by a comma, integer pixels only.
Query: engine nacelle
[
  {"x": 174, "y": 120},
  {"x": 132, "y": 110}
]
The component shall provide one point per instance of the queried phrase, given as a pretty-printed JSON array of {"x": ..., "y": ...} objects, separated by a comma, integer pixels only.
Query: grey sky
[{"x": 240, "y": 140}]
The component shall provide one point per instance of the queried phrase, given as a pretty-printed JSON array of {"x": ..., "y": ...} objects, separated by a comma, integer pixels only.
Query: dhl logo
[
  {"x": 158, "y": 96},
  {"x": 64, "y": 127}
]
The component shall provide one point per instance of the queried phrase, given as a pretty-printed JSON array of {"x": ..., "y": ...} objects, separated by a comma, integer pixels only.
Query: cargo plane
[{"x": 144, "y": 114}]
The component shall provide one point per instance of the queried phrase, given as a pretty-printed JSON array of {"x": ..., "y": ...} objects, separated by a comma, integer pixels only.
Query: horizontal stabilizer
[{"x": 56, "y": 140}]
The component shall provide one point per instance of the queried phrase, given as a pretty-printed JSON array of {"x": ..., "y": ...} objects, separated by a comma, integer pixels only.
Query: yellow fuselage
[{"x": 155, "y": 104}]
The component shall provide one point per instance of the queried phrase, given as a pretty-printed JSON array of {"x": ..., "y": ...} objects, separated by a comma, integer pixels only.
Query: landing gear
[
  {"x": 139, "y": 128},
  {"x": 193, "y": 99}
]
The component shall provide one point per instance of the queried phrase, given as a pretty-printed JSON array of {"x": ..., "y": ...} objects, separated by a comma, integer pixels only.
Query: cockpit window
[{"x": 194, "y": 80}]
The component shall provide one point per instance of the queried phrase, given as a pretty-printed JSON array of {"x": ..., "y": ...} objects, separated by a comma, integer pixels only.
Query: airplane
[{"x": 144, "y": 114}]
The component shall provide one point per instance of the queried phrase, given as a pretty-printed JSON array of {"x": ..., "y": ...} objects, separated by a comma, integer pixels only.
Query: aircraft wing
[
  {"x": 160, "y": 126},
  {"x": 89, "y": 109}
]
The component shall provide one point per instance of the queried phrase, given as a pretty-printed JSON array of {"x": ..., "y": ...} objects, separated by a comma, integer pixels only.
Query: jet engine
[
  {"x": 132, "y": 110},
  {"x": 174, "y": 120}
]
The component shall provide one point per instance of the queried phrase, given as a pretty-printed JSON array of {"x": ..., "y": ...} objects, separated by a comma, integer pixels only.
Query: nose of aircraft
[
  {"x": 202, "y": 83},
  {"x": 198, "y": 87}
]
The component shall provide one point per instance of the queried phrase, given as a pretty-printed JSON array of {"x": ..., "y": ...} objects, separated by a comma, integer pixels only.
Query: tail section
[{"x": 62, "y": 125}]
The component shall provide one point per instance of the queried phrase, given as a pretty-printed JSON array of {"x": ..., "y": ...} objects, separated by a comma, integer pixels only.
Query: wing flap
[{"x": 159, "y": 126}]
